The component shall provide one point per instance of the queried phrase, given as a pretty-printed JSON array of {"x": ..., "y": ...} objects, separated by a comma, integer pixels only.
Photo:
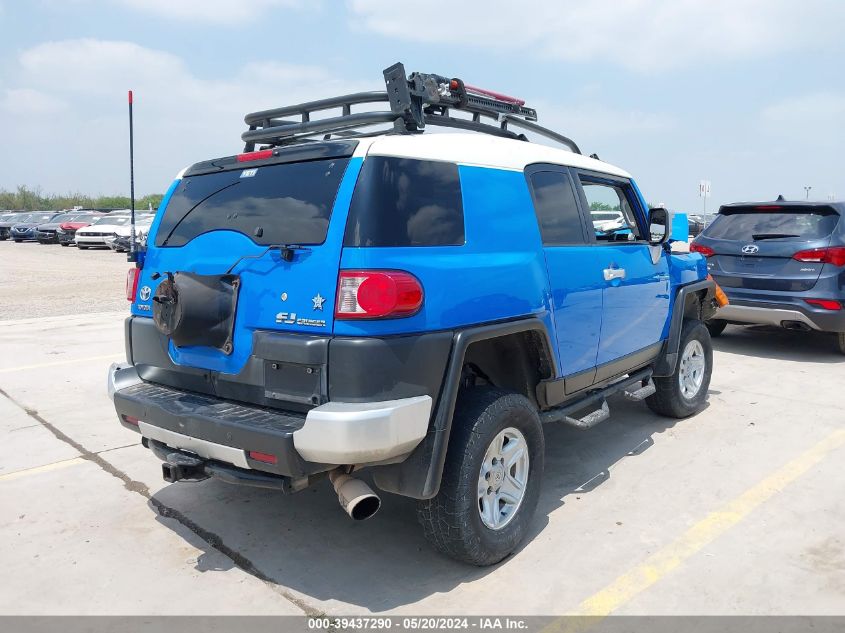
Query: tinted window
[
  {"x": 748, "y": 223},
  {"x": 276, "y": 204},
  {"x": 556, "y": 208},
  {"x": 603, "y": 198},
  {"x": 404, "y": 202}
]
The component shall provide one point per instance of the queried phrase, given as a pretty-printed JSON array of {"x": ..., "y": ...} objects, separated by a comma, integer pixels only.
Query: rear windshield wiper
[{"x": 772, "y": 236}]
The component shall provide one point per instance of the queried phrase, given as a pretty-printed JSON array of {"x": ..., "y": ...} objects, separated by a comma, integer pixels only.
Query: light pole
[{"x": 807, "y": 192}]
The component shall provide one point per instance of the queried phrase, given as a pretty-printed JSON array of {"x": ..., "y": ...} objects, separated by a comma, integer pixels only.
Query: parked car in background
[
  {"x": 6, "y": 221},
  {"x": 96, "y": 233},
  {"x": 606, "y": 220},
  {"x": 120, "y": 242},
  {"x": 24, "y": 230},
  {"x": 780, "y": 263},
  {"x": 66, "y": 232},
  {"x": 696, "y": 225},
  {"x": 47, "y": 233}
]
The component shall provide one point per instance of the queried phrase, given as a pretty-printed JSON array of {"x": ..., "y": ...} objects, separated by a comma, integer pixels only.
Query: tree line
[{"x": 32, "y": 199}]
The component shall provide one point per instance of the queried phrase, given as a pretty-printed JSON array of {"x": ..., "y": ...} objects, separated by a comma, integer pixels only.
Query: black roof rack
[{"x": 415, "y": 101}]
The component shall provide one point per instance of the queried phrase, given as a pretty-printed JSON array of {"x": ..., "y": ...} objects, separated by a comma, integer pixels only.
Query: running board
[
  {"x": 589, "y": 420},
  {"x": 638, "y": 395},
  {"x": 632, "y": 386}
]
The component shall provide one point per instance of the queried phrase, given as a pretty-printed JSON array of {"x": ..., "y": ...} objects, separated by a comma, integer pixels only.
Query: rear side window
[
  {"x": 556, "y": 208},
  {"x": 746, "y": 224},
  {"x": 275, "y": 204},
  {"x": 405, "y": 202}
]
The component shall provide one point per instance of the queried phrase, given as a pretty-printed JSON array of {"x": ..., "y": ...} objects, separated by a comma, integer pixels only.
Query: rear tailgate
[
  {"x": 754, "y": 246},
  {"x": 274, "y": 227}
]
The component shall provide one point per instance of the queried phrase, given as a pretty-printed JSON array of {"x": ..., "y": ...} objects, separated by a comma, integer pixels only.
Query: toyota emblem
[{"x": 750, "y": 249}]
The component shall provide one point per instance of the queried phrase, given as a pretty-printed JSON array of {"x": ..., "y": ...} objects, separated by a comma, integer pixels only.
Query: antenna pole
[{"x": 133, "y": 253}]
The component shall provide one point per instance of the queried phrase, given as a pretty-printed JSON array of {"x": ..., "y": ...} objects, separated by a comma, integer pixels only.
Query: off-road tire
[
  {"x": 716, "y": 327},
  {"x": 451, "y": 520},
  {"x": 669, "y": 399},
  {"x": 840, "y": 342}
]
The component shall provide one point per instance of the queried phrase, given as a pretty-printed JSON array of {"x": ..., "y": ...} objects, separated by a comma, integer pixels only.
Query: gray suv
[{"x": 780, "y": 263}]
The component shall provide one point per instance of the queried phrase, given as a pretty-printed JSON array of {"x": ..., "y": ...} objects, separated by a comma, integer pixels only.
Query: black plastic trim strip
[
  {"x": 665, "y": 365},
  {"x": 419, "y": 475}
]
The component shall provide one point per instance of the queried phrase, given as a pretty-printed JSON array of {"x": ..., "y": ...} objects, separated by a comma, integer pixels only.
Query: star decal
[{"x": 318, "y": 302}]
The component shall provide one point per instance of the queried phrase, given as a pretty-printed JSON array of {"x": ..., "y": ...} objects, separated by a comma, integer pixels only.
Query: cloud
[
  {"x": 637, "y": 34},
  {"x": 813, "y": 119},
  {"x": 29, "y": 101},
  {"x": 180, "y": 118},
  {"x": 216, "y": 11}
]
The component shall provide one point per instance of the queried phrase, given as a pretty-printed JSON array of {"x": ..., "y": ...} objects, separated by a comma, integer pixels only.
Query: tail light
[
  {"x": 132, "y": 277},
  {"x": 700, "y": 248},
  {"x": 259, "y": 155},
  {"x": 834, "y": 255},
  {"x": 377, "y": 294},
  {"x": 258, "y": 456},
  {"x": 827, "y": 304}
]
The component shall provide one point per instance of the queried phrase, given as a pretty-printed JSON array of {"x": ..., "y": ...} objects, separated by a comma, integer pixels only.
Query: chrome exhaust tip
[{"x": 356, "y": 498}]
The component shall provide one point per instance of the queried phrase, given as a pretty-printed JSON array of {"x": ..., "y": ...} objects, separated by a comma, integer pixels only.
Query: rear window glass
[
  {"x": 276, "y": 204},
  {"x": 748, "y": 224},
  {"x": 405, "y": 202},
  {"x": 556, "y": 208}
]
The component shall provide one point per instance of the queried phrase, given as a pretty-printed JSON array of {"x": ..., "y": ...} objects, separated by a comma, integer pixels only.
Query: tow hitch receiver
[{"x": 179, "y": 467}]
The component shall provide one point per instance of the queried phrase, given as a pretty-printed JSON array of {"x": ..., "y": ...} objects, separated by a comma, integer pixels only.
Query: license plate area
[{"x": 295, "y": 382}]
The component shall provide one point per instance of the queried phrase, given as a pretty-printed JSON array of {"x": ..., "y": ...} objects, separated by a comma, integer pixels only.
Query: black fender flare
[
  {"x": 419, "y": 475},
  {"x": 665, "y": 365}
]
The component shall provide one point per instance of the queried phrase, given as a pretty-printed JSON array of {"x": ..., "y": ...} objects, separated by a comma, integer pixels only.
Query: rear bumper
[
  {"x": 755, "y": 307},
  {"x": 335, "y": 433}
]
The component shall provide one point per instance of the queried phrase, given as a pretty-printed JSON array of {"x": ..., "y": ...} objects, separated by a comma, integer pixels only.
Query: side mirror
[{"x": 658, "y": 226}]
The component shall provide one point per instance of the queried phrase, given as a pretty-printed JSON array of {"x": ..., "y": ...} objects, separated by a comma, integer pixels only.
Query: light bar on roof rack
[{"x": 415, "y": 101}]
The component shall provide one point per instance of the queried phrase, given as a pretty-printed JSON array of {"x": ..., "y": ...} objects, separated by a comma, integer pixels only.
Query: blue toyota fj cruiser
[{"x": 415, "y": 304}]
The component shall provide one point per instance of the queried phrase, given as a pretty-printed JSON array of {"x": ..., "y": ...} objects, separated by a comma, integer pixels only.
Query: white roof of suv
[{"x": 482, "y": 150}]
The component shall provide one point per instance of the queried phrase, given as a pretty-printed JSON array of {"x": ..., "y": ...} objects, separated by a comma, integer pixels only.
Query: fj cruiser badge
[{"x": 290, "y": 318}]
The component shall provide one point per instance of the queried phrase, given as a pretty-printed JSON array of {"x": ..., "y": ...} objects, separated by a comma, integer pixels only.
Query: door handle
[{"x": 614, "y": 273}]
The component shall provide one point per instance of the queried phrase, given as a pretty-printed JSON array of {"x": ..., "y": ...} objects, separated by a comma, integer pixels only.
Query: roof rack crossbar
[
  {"x": 255, "y": 118},
  {"x": 283, "y": 132},
  {"x": 415, "y": 101},
  {"x": 539, "y": 129}
]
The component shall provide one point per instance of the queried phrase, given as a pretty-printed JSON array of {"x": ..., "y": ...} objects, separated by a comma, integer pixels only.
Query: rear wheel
[
  {"x": 840, "y": 342},
  {"x": 684, "y": 392},
  {"x": 491, "y": 479},
  {"x": 716, "y": 327}
]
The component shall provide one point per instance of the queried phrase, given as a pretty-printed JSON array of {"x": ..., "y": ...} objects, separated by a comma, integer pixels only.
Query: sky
[{"x": 747, "y": 94}]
